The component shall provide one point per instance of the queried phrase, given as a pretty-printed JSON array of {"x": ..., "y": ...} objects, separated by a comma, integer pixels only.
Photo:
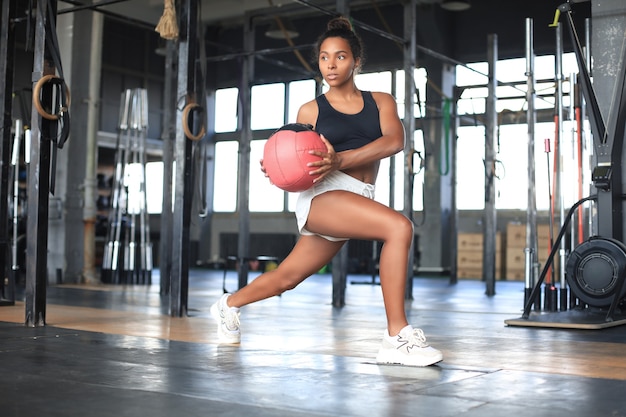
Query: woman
[{"x": 359, "y": 129}]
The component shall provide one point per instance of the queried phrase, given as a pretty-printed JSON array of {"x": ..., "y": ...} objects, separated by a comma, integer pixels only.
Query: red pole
[
  {"x": 551, "y": 185},
  {"x": 579, "y": 137}
]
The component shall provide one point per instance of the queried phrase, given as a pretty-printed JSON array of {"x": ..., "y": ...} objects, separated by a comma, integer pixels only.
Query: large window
[
  {"x": 276, "y": 104},
  {"x": 268, "y": 112},
  {"x": 512, "y": 139},
  {"x": 226, "y": 110},
  {"x": 267, "y": 106},
  {"x": 511, "y": 168},
  {"x": 226, "y": 160},
  {"x": 153, "y": 178},
  {"x": 300, "y": 92},
  {"x": 263, "y": 195}
]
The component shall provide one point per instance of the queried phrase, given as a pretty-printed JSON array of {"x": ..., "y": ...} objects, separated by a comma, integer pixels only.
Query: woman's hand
[
  {"x": 330, "y": 161},
  {"x": 262, "y": 167},
  {"x": 264, "y": 170}
]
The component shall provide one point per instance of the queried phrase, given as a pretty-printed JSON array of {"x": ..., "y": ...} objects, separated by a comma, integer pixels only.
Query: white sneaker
[
  {"x": 227, "y": 319},
  {"x": 409, "y": 347}
]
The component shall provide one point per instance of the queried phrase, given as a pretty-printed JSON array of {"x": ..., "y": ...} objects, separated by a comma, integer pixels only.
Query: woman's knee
[{"x": 402, "y": 229}]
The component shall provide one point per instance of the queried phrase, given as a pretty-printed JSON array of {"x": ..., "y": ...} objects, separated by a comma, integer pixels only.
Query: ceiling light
[
  {"x": 283, "y": 31},
  {"x": 455, "y": 5}
]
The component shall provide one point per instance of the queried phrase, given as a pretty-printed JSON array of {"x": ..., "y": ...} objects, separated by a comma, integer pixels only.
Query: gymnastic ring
[
  {"x": 186, "y": 110},
  {"x": 37, "y": 101}
]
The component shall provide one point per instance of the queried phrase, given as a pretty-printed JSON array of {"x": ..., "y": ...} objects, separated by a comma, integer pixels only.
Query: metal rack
[{"x": 128, "y": 249}]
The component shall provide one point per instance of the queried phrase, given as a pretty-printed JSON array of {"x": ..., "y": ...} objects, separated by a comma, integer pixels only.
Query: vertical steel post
[
  {"x": 243, "y": 186},
  {"x": 559, "y": 149},
  {"x": 410, "y": 62},
  {"x": 39, "y": 180},
  {"x": 7, "y": 277},
  {"x": 491, "y": 132},
  {"x": 588, "y": 144},
  {"x": 187, "y": 52},
  {"x": 392, "y": 158},
  {"x": 340, "y": 260},
  {"x": 454, "y": 217},
  {"x": 169, "y": 137},
  {"x": 576, "y": 227},
  {"x": 531, "y": 259},
  {"x": 206, "y": 251},
  {"x": 572, "y": 108},
  {"x": 89, "y": 209}
]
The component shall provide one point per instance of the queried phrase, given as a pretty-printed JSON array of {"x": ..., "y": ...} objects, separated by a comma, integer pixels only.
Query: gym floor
[{"x": 114, "y": 351}]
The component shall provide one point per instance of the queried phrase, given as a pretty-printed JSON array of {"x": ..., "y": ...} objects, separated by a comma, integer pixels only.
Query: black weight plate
[{"x": 594, "y": 270}]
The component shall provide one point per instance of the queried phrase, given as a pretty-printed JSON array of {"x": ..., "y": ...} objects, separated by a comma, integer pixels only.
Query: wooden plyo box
[
  {"x": 516, "y": 244},
  {"x": 470, "y": 256}
]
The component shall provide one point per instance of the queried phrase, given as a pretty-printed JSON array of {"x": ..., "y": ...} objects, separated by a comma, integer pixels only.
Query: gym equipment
[
  {"x": 596, "y": 269},
  {"x": 7, "y": 288},
  {"x": 286, "y": 155},
  {"x": 128, "y": 198},
  {"x": 550, "y": 303}
]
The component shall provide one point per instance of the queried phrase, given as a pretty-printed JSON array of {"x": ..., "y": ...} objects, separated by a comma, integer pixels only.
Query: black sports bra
[{"x": 348, "y": 131}]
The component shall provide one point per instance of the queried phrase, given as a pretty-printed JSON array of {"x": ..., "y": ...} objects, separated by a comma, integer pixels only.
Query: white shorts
[{"x": 337, "y": 180}]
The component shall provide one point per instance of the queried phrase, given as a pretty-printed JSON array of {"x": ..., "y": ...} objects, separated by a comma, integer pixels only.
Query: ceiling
[
  {"x": 149, "y": 11},
  {"x": 465, "y": 30},
  {"x": 222, "y": 11},
  {"x": 461, "y": 36}
]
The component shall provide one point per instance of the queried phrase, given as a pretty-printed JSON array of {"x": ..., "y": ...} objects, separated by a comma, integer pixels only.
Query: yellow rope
[{"x": 168, "y": 26}]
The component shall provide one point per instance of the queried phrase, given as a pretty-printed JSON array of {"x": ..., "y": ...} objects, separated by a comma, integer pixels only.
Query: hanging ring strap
[
  {"x": 200, "y": 167},
  {"x": 65, "y": 101},
  {"x": 192, "y": 107},
  {"x": 409, "y": 161}
]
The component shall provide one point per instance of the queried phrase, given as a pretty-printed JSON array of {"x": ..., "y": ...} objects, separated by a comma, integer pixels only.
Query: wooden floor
[{"x": 114, "y": 351}]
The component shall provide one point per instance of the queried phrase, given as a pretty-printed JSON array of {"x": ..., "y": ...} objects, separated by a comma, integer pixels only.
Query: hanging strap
[
  {"x": 59, "y": 111},
  {"x": 52, "y": 44},
  {"x": 201, "y": 147}
]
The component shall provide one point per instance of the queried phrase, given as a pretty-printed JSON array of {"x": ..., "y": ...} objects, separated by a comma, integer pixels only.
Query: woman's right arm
[{"x": 307, "y": 114}]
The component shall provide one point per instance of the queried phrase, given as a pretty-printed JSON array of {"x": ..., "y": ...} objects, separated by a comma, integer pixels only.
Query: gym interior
[{"x": 132, "y": 199}]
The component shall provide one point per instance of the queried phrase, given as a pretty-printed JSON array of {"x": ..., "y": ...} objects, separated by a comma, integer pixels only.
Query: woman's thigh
[{"x": 349, "y": 215}]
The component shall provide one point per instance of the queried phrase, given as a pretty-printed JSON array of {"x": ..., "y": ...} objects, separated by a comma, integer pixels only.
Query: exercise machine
[{"x": 595, "y": 269}]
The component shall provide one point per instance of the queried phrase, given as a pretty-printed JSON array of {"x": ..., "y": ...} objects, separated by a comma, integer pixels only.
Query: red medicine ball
[{"x": 286, "y": 155}]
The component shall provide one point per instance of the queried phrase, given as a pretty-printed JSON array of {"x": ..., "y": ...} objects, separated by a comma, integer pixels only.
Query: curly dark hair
[{"x": 340, "y": 27}]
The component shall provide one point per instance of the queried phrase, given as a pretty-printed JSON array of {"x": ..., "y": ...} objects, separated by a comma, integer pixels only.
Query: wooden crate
[
  {"x": 469, "y": 273},
  {"x": 474, "y": 273},
  {"x": 516, "y": 235},
  {"x": 470, "y": 241},
  {"x": 516, "y": 258},
  {"x": 470, "y": 255},
  {"x": 470, "y": 259},
  {"x": 474, "y": 241},
  {"x": 512, "y": 274}
]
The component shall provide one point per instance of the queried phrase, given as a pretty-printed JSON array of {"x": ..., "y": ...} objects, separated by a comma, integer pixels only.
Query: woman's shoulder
[
  {"x": 382, "y": 98},
  {"x": 309, "y": 106},
  {"x": 308, "y": 112},
  {"x": 380, "y": 95}
]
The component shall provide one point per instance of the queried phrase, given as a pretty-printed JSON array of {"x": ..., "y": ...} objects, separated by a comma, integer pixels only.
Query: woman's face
[{"x": 336, "y": 62}]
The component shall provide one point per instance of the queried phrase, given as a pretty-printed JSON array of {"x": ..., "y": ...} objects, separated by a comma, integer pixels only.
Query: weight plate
[{"x": 595, "y": 268}]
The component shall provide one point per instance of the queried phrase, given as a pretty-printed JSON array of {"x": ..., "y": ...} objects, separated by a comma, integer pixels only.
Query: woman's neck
[{"x": 345, "y": 92}]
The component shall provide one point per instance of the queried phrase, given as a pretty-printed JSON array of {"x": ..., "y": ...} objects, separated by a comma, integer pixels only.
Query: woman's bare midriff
[{"x": 366, "y": 174}]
